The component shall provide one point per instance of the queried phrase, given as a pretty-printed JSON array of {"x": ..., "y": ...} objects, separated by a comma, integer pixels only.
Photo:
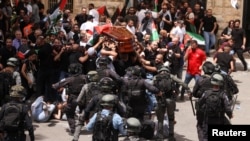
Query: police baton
[{"x": 190, "y": 98}]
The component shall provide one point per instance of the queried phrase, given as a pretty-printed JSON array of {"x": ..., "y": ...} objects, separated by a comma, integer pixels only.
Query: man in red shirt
[{"x": 195, "y": 58}]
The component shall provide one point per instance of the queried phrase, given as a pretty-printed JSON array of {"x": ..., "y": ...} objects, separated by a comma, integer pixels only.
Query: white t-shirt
[
  {"x": 29, "y": 8},
  {"x": 141, "y": 14},
  {"x": 88, "y": 25},
  {"x": 131, "y": 29},
  {"x": 180, "y": 32},
  {"x": 95, "y": 14}
]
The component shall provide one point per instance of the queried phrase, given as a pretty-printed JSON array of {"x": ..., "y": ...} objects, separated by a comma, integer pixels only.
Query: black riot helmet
[
  {"x": 136, "y": 71},
  {"x": 208, "y": 67},
  {"x": 103, "y": 61},
  {"x": 75, "y": 68},
  {"x": 164, "y": 69},
  {"x": 106, "y": 84}
]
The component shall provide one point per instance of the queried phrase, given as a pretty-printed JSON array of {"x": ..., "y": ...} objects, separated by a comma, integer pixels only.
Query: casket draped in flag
[{"x": 122, "y": 37}]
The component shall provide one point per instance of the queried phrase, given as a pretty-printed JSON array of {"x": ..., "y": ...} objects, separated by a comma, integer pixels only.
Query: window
[{"x": 69, "y": 4}]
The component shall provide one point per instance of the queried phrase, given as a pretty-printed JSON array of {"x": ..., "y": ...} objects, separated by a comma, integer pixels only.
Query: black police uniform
[
  {"x": 72, "y": 96},
  {"x": 26, "y": 124}
]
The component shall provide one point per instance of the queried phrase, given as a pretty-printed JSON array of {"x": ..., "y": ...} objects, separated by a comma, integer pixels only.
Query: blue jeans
[
  {"x": 151, "y": 97},
  {"x": 63, "y": 74},
  {"x": 209, "y": 40},
  {"x": 38, "y": 113},
  {"x": 187, "y": 80}
]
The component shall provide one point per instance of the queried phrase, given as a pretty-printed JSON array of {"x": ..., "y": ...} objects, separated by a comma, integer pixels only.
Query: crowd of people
[{"x": 69, "y": 71}]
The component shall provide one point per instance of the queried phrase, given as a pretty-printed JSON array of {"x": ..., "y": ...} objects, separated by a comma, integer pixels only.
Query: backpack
[
  {"x": 12, "y": 119},
  {"x": 102, "y": 73},
  {"x": 93, "y": 90},
  {"x": 203, "y": 84},
  {"x": 147, "y": 130},
  {"x": 6, "y": 81},
  {"x": 75, "y": 86},
  {"x": 135, "y": 90},
  {"x": 164, "y": 83},
  {"x": 213, "y": 105},
  {"x": 103, "y": 128}
]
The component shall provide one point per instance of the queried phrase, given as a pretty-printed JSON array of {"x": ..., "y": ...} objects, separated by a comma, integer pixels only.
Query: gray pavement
[{"x": 185, "y": 128}]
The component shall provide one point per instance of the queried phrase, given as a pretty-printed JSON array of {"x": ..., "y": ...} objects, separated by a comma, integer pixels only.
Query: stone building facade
[
  {"x": 222, "y": 9},
  {"x": 224, "y": 12}
]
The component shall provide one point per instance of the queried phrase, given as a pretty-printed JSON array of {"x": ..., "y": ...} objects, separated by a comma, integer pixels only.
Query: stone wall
[
  {"x": 224, "y": 12},
  {"x": 222, "y": 9},
  {"x": 111, "y": 5},
  {"x": 78, "y": 4}
]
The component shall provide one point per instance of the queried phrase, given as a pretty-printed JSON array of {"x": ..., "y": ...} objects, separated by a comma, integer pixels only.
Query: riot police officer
[
  {"x": 107, "y": 103},
  {"x": 202, "y": 84},
  {"x": 15, "y": 131},
  {"x": 88, "y": 91},
  {"x": 134, "y": 91},
  {"x": 73, "y": 85},
  {"x": 133, "y": 127},
  {"x": 166, "y": 83},
  {"x": 215, "y": 105},
  {"x": 104, "y": 71}
]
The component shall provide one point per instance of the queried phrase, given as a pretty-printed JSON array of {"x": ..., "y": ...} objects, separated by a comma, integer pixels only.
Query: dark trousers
[
  {"x": 239, "y": 53},
  {"x": 15, "y": 137},
  {"x": 70, "y": 112},
  {"x": 45, "y": 80}
]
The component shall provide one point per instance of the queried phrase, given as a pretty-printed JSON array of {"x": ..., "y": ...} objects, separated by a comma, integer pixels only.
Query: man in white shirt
[
  {"x": 130, "y": 26},
  {"x": 88, "y": 25},
  {"x": 28, "y": 7},
  {"x": 178, "y": 30},
  {"x": 94, "y": 13}
]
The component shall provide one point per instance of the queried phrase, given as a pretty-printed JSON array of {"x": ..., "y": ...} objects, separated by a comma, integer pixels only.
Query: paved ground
[{"x": 186, "y": 122}]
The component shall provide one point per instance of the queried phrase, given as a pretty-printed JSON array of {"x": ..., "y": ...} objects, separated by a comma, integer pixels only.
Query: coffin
[{"x": 122, "y": 36}]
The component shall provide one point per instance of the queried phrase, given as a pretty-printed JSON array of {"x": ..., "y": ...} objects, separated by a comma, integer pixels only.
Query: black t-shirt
[
  {"x": 150, "y": 55},
  {"x": 80, "y": 18},
  {"x": 238, "y": 34},
  {"x": 5, "y": 54},
  {"x": 45, "y": 57},
  {"x": 176, "y": 62},
  {"x": 64, "y": 61},
  {"x": 198, "y": 16},
  {"x": 167, "y": 26},
  {"x": 2, "y": 24},
  {"x": 90, "y": 64},
  {"x": 223, "y": 60},
  {"x": 209, "y": 23},
  {"x": 74, "y": 57}
]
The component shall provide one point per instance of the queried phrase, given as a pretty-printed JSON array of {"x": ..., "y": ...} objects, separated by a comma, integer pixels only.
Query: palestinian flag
[
  {"x": 103, "y": 11},
  {"x": 101, "y": 28},
  {"x": 154, "y": 32},
  {"x": 97, "y": 31},
  {"x": 55, "y": 13},
  {"x": 115, "y": 15},
  {"x": 124, "y": 9},
  {"x": 194, "y": 36},
  {"x": 156, "y": 5}
]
